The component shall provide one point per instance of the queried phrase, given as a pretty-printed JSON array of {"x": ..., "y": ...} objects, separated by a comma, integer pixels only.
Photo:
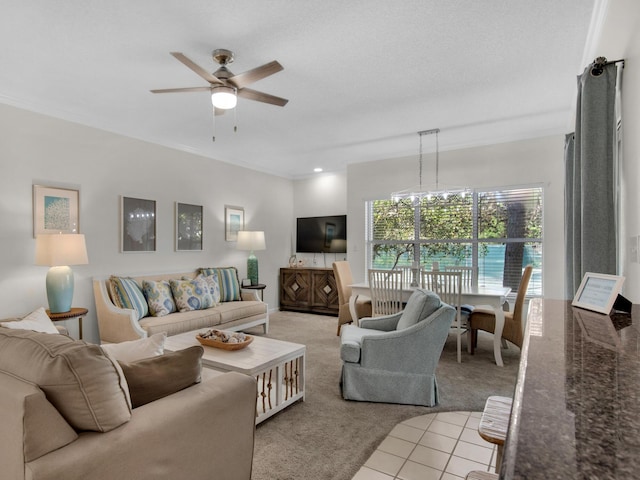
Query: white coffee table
[{"x": 277, "y": 366}]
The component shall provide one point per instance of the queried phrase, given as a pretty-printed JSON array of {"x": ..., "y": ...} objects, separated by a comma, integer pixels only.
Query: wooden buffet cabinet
[{"x": 311, "y": 290}]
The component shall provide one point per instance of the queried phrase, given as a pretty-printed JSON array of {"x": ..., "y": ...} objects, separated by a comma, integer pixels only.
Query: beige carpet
[{"x": 326, "y": 437}]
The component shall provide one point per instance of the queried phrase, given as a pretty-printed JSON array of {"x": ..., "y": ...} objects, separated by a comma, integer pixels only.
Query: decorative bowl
[{"x": 216, "y": 342}]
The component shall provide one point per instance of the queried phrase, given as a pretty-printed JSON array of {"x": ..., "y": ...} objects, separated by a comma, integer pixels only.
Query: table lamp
[
  {"x": 251, "y": 241},
  {"x": 58, "y": 251}
]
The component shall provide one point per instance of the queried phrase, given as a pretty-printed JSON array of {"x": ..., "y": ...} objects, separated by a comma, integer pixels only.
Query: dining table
[{"x": 476, "y": 296}]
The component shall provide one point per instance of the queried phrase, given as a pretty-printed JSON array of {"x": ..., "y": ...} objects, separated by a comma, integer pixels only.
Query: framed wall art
[
  {"x": 138, "y": 225},
  {"x": 55, "y": 210},
  {"x": 233, "y": 222},
  {"x": 188, "y": 227}
]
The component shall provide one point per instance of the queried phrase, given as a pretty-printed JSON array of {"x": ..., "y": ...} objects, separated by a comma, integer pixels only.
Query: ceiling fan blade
[
  {"x": 196, "y": 68},
  {"x": 262, "y": 97},
  {"x": 178, "y": 90},
  {"x": 243, "y": 79}
]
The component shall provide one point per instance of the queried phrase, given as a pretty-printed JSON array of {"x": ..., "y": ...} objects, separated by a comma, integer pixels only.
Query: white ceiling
[{"x": 362, "y": 76}]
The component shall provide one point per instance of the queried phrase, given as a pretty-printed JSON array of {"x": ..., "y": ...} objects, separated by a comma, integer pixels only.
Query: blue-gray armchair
[{"x": 393, "y": 359}]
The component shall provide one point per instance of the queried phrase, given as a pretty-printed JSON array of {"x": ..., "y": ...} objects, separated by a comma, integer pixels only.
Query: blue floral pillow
[
  {"x": 191, "y": 294},
  {"x": 159, "y": 297},
  {"x": 227, "y": 280},
  {"x": 214, "y": 286}
]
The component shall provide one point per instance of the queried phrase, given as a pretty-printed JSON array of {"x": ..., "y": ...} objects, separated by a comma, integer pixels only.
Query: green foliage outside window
[{"x": 510, "y": 218}]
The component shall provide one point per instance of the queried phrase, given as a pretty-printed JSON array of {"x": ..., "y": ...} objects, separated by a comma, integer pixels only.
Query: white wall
[
  {"x": 528, "y": 162},
  {"x": 36, "y": 149},
  {"x": 620, "y": 39},
  {"x": 318, "y": 196}
]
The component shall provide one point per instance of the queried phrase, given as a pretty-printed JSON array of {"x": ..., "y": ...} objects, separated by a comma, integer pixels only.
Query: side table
[
  {"x": 75, "y": 312},
  {"x": 257, "y": 286}
]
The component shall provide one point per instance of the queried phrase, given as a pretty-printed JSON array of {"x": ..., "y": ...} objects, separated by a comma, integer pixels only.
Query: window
[{"x": 497, "y": 232}]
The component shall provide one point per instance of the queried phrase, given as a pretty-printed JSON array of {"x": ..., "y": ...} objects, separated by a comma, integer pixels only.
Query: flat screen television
[{"x": 322, "y": 234}]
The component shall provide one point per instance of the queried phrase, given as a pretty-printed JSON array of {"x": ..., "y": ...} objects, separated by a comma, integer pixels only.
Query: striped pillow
[
  {"x": 227, "y": 281},
  {"x": 126, "y": 293}
]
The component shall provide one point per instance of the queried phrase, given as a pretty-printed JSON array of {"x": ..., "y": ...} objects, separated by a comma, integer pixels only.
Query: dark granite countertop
[{"x": 575, "y": 412}]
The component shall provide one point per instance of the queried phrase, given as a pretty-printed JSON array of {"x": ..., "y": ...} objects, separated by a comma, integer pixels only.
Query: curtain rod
[{"x": 599, "y": 63}]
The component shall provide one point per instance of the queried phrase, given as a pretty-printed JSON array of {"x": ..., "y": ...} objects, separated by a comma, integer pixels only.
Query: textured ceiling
[{"x": 362, "y": 76}]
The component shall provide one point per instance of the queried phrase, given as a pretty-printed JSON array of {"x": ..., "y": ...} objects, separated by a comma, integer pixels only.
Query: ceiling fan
[{"x": 224, "y": 86}]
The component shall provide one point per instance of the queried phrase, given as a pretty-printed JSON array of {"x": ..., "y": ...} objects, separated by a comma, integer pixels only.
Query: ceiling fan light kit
[{"x": 223, "y": 97}]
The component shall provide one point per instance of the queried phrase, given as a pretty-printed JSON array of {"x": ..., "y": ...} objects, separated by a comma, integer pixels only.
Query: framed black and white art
[{"x": 138, "y": 225}]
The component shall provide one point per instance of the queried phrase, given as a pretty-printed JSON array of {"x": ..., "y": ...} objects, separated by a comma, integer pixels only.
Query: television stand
[{"x": 309, "y": 290}]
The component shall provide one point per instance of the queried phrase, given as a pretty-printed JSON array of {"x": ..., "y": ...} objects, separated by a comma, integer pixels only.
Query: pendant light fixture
[{"x": 434, "y": 190}]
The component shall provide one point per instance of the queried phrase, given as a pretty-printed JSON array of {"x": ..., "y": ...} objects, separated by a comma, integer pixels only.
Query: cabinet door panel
[{"x": 295, "y": 288}]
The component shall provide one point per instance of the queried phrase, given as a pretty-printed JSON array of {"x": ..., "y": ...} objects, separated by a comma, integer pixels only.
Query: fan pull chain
[
  {"x": 235, "y": 119},
  {"x": 213, "y": 138}
]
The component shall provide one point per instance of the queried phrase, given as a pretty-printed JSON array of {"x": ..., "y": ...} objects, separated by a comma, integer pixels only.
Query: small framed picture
[
  {"x": 55, "y": 210},
  {"x": 233, "y": 222},
  {"x": 188, "y": 227},
  {"x": 246, "y": 282},
  {"x": 598, "y": 292},
  {"x": 138, "y": 225}
]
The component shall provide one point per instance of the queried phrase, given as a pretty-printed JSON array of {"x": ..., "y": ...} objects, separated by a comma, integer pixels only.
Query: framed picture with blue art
[
  {"x": 55, "y": 210},
  {"x": 233, "y": 222}
]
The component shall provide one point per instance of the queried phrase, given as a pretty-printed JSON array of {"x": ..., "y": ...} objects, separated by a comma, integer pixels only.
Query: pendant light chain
[
  {"x": 420, "y": 162},
  {"x": 437, "y": 158}
]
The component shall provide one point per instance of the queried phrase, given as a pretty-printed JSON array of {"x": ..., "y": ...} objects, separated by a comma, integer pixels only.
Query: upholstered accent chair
[
  {"x": 344, "y": 280},
  {"x": 393, "y": 359}
]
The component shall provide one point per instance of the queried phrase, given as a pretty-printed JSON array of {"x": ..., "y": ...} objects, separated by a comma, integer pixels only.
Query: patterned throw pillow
[
  {"x": 159, "y": 297},
  {"x": 126, "y": 293},
  {"x": 227, "y": 280},
  {"x": 191, "y": 294},
  {"x": 214, "y": 286}
]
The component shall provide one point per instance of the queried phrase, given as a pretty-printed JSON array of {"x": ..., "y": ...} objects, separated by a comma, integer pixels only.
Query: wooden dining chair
[
  {"x": 386, "y": 291},
  {"x": 485, "y": 319},
  {"x": 344, "y": 279},
  {"x": 448, "y": 286}
]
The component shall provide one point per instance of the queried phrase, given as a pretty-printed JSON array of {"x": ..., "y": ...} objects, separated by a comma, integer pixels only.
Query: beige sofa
[
  {"x": 120, "y": 324},
  {"x": 64, "y": 415}
]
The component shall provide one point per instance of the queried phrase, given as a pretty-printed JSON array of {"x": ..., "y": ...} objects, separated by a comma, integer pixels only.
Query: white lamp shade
[
  {"x": 61, "y": 250},
  {"x": 251, "y": 241},
  {"x": 223, "y": 97}
]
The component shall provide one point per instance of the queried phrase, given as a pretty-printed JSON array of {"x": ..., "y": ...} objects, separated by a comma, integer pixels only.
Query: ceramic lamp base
[
  {"x": 59, "y": 289},
  {"x": 252, "y": 269}
]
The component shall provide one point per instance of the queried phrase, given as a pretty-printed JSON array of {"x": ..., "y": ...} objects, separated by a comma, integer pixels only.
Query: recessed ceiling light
[{"x": 317, "y": 169}]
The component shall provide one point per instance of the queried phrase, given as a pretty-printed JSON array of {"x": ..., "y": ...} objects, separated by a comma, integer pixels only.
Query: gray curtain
[{"x": 590, "y": 183}]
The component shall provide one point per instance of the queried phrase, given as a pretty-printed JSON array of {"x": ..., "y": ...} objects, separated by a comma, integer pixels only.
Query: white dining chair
[
  {"x": 411, "y": 277},
  {"x": 467, "y": 274},
  {"x": 386, "y": 291},
  {"x": 448, "y": 286}
]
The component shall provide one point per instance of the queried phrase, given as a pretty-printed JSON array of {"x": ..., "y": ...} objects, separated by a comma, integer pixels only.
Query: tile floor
[{"x": 436, "y": 446}]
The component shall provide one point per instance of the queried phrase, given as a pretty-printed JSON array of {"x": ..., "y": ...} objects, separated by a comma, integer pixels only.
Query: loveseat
[
  {"x": 66, "y": 413},
  {"x": 124, "y": 305}
]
